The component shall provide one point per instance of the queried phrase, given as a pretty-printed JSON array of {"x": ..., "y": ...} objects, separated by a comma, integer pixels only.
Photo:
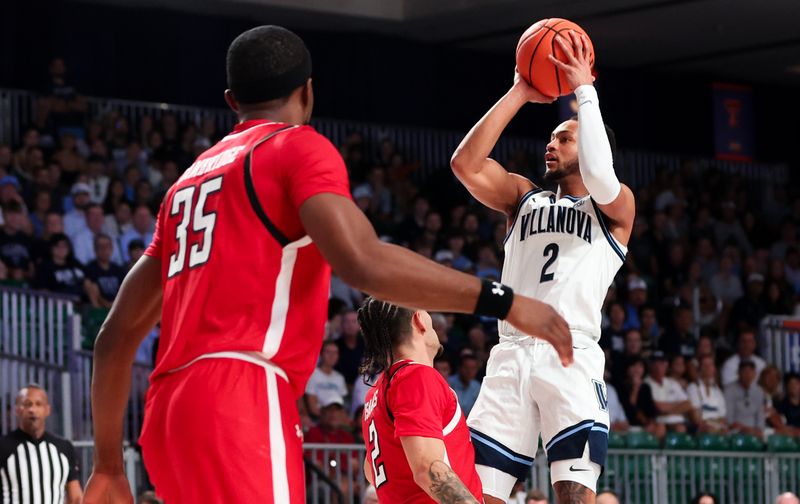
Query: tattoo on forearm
[
  {"x": 570, "y": 492},
  {"x": 446, "y": 487}
]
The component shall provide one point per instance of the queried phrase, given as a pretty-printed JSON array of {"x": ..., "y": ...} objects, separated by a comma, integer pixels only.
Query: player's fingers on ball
[
  {"x": 557, "y": 62},
  {"x": 569, "y": 51},
  {"x": 577, "y": 43}
]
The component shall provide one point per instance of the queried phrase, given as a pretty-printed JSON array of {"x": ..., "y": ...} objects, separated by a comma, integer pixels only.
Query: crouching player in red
[{"x": 418, "y": 445}]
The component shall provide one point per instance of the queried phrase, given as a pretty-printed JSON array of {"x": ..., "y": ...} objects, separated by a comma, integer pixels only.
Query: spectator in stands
[
  {"x": 613, "y": 337},
  {"x": 670, "y": 399},
  {"x": 792, "y": 269},
  {"x": 329, "y": 431},
  {"x": 637, "y": 400},
  {"x": 746, "y": 402},
  {"x": 97, "y": 179},
  {"x": 788, "y": 240},
  {"x": 84, "y": 242},
  {"x": 6, "y": 163},
  {"x": 443, "y": 366},
  {"x": 707, "y": 398},
  {"x": 607, "y": 497},
  {"x": 464, "y": 383},
  {"x": 728, "y": 229},
  {"x": 103, "y": 277},
  {"x": 48, "y": 467},
  {"x": 42, "y": 203},
  {"x": 325, "y": 381},
  {"x": 789, "y": 407},
  {"x": 705, "y": 498},
  {"x": 61, "y": 273},
  {"x": 142, "y": 229},
  {"x": 455, "y": 244},
  {"x": 681, "y": 340},
  {"x": 770, "y": 381},
  {"x": 637, "y": 298},
  {"x": 620, "y": 360},
  {"x": 746, "y": 351},
  {"x": 616, "y": 413},
  {"x": 351, "y": 297},
  {"x": 787, "y": 498},
  {"x": 679, "y": 371},
  {"x": 15, "y": 244},
  {"x": 71, "y": 162},
  {"x": 725, "y": 284},
  {"x": 135, "y": 251},
  {"x": 60, "y": 107},
  {"x": 650, "y": 330},
  {"x": 75, "y": 219},
  {"x": 351, "y": 347},
  {"x": 748, "y": 310},
  {"x": 535, "y": 497}
]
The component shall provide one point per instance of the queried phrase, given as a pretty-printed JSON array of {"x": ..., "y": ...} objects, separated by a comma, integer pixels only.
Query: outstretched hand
[
  {"x": 578, "y": 67},
  {"x": 529, "y": 92},
  {"x": 541, "y": 320}
]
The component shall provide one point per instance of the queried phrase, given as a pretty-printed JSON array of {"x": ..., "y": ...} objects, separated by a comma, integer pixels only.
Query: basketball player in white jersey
[{"x": 563, "y": 248}]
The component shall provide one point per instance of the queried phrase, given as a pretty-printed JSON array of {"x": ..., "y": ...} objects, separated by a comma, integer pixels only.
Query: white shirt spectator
[
  {"x": 360, "y": 390},
  {"x": 325, "y": 386},
  {"x": 727, "y": 288},
  {"x": 730, "y": 370},
  {"x": 709, "y": 400},
  {"x": 83, "y": 248},
  {"x": 616, "y": 412},
  {"x": 670, "y": 391}
]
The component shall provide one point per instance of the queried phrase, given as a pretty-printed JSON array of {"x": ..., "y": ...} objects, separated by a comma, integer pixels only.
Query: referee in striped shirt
[{"x": 37, "y": 467}]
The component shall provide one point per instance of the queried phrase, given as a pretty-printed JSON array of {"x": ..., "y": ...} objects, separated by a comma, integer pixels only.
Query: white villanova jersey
[{"x": 560, "y": 251}]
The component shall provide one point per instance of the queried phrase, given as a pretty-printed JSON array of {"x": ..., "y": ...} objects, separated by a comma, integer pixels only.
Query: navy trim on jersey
[
  {"x": 609, "y": 237},
  {"x": 572, "y": 198},
  {"x": 519, "y": 207},
  {"x": 571, "y": 442},
  {"x": 251, "y": 192},
  {"x": 492, "y": 453}
]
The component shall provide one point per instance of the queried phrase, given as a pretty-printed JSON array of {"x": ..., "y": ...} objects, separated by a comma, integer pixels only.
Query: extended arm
[
  {"x": 484, "y": 177},
  {"x": 594, "y": 150},
  {"x": 426, "y": 460},
  {"x": 74, "y": 492},
  {"x": 397, "y": 275},
  {"x": 133, "y": 315}
]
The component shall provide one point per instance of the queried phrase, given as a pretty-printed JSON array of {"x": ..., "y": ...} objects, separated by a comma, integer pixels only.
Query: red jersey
[
  {"x": 412, "y": 399},
  {"x": 239, "y": 273}
]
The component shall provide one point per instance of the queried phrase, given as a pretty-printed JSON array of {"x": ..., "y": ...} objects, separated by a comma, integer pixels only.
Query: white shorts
[{"x": 527, "y": 392}]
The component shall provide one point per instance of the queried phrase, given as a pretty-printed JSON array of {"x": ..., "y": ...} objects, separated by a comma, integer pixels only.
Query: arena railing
[
  {"x": 431, "y": 147},
  {"x": 780, "y": 342},
  {"x": 40, "y": 341},
  {"x": 637, "y": 475}
]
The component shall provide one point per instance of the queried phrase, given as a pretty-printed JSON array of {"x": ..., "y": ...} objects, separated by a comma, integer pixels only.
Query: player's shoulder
[{"x": 414, "y": 372}]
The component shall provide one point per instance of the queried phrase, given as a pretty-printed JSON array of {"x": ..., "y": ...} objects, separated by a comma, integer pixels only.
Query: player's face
[{"x": 561, "y": 155}]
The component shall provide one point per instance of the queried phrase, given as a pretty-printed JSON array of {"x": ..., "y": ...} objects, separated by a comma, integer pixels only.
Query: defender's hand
[
  {"x": 542, "y": 321},
  {"x": 578, "y": 67}
]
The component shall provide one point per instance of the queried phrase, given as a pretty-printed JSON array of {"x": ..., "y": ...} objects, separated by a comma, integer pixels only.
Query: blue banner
[{"x": 733, "y": 122}]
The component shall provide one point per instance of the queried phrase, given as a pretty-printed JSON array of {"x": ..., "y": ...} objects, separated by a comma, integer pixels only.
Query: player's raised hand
[
  {"x": 107, "y": 489},
  {"x": 542, "y": 321},
  {"x": 529, "y": 92},
  {"x": 578, "y": 67}
]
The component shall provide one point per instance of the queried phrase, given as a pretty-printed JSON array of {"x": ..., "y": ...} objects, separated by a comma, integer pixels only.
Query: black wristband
[{"x": 495, "y": 300}]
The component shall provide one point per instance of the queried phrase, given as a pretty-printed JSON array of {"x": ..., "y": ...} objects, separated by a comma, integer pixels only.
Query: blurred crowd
[{"x": 710, "y": 256}]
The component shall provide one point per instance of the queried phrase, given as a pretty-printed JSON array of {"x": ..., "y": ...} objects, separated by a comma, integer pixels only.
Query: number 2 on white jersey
[
  {"x": 378, "y": 472},
  {"x": 201, "y": 223}
]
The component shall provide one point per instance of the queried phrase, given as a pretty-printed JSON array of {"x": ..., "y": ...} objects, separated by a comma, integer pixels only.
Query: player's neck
[
  {"x": 572, "y": 186},
  {"x": 284, "y": 115},
  {"x": 413, "y": 353}
]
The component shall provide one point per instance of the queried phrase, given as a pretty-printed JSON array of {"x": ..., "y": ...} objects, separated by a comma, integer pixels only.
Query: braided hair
[{"x": 383, "y": 325}]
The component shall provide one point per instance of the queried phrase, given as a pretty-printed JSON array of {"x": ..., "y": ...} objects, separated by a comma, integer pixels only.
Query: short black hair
[
  {"x": 612, "y": 137},
  {"x": 266, "y": 63}
]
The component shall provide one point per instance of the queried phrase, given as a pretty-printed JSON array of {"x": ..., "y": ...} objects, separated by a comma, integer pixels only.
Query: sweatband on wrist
[
  {"x": 264, "y": 90},
  {"x": 495, "y": 300}
]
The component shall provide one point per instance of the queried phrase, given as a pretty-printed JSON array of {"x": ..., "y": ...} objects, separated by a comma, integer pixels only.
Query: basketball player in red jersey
[
  {"x": 418, "y": 444},
  {"x": 238, "y": 274}
]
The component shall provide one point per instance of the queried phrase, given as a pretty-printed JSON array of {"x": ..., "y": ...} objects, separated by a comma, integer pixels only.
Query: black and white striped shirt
[{"x": 35, "y": 471}]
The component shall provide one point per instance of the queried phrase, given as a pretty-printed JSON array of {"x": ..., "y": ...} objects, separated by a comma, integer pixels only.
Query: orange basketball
[{"x": 536, "y": 44}]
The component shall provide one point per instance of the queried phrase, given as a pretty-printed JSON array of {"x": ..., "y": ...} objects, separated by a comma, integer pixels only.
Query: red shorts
[{"x": 223, "y": 430}]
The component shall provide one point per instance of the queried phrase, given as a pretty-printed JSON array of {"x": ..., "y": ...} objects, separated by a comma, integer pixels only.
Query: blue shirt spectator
[{"x": 464, "y": 383}]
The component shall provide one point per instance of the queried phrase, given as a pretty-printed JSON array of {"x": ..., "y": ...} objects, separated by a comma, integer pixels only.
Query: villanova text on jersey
[{"x": 555, "y": 219}]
